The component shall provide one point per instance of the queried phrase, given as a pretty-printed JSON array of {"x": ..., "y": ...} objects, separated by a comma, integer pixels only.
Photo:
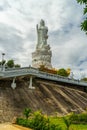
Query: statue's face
[{"x": 42, "y": 23}]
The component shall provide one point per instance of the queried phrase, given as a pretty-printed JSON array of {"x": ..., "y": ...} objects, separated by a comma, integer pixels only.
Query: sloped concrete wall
[{"x": 49, "y": 97}]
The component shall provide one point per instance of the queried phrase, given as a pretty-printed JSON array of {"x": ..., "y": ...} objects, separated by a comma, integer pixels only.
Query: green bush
[
  {"x": 78, "y": 118},
  {"x": 27, "y": 112},
  {"x": 23, "y": 122},
  {"x": 63, "y": 72},
  {"x": 74, "y": 118},
  {"x": 67, "y": 122},
  {"x": 83, "y": 117},
  {"x": 38, "y": 122}
]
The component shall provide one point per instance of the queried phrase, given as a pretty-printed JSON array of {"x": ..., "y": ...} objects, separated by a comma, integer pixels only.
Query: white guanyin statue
[
  {"x": 42, "y": 54},
  {"x": 42, "y": 36}
]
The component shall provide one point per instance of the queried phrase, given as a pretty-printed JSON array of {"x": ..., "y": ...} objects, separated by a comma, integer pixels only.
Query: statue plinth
[{"x": 42, "y": 54}]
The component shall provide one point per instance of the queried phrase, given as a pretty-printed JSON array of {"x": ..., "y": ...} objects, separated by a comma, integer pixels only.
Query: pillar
[
  {"x": 30, "y": 85},
  {"x": 13, "y": 85}
]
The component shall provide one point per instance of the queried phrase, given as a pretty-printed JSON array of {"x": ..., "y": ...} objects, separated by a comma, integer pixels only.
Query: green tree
[
  {"x": 84, "y": 79},
  {"x": 84, "y": 23},
  {"x": 17, "y": 66},
  {"x": 10, "y": 63},
  {"x": 67, "y": 122},
  {"x": 27, "y": 112},
  {"x": 62, "y": 72}
]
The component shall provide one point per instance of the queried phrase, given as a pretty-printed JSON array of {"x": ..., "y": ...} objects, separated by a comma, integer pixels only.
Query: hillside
[{"x": 47, "y": 96}]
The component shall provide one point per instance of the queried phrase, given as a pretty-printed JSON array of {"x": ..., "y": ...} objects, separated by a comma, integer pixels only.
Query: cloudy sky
[{"x": 18, "y": 19}]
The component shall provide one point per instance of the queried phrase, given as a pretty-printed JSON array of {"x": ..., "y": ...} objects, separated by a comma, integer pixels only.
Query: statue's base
[{"x": 41, "y": 57}]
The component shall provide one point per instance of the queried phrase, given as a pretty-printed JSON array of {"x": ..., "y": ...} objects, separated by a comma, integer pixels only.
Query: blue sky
[{"x": 18, "y": 19}]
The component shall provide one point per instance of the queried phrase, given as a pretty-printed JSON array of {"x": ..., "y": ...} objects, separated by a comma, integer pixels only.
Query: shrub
[
  {"x": 63, "y": 72},
  {"x": 79, "y": 118},
  {"x": 41, "y": 122},
  {"x": 27, "y": 112},
  {"x": 67, "y": 122},
  {"x": 83, "y": 117},
  {"x": 23, "y": 122},
  {"x": 38, "y": 122}
]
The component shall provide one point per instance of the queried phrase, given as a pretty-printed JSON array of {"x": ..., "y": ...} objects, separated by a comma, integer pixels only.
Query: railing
[{"x": 35, "y": 72}]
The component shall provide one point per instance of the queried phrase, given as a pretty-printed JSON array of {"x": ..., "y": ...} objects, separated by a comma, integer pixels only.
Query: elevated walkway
[{"x": 13, "y": 73}]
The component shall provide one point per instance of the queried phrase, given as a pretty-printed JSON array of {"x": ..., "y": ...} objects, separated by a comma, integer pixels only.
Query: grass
[
  {"x": 59, "y": 120},
  {"x": 78, "y": 127}
]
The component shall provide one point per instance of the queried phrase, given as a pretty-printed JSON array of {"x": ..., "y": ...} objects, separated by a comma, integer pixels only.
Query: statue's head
[{"x": 42, "y": 23}]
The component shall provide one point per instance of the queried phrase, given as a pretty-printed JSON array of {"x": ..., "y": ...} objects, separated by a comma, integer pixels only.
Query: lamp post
[
  {"x": 3, "y": 56},
  {"x": 3, "y": 67}
]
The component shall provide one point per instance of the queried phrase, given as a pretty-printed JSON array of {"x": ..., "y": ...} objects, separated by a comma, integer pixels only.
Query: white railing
[{"x": 35, "y": 72}]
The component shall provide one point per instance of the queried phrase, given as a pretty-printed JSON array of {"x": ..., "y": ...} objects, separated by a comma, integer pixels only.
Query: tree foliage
[
  {"x": 84, "y": 79},
  {"x": 67, "y": 122},
  {"x": 17, "y": 66},
  {"x": 10, "y": 63},
  {"x": 63, "y": 72},
  {"x": 27, "y": 112},
  {"x": 82, "y": 1},
  {"x": 84, "y": 23},
  {"x": 38, "y": 121}
]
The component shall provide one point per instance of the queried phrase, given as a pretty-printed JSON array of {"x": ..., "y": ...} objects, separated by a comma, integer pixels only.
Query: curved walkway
[{"x": 9, "y": 126}]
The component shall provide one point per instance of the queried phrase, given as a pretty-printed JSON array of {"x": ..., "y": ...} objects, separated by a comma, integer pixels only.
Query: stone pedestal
[{"x": 41, "y": 57}]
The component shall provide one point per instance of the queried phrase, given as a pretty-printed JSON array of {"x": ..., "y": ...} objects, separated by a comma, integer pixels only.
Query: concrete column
[
  {"x": 13, "y": 85},
  {"x": 30, "y": 85}
]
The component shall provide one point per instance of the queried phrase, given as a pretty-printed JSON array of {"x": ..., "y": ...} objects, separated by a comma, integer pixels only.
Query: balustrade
[{"x": 37, "y": 73}]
